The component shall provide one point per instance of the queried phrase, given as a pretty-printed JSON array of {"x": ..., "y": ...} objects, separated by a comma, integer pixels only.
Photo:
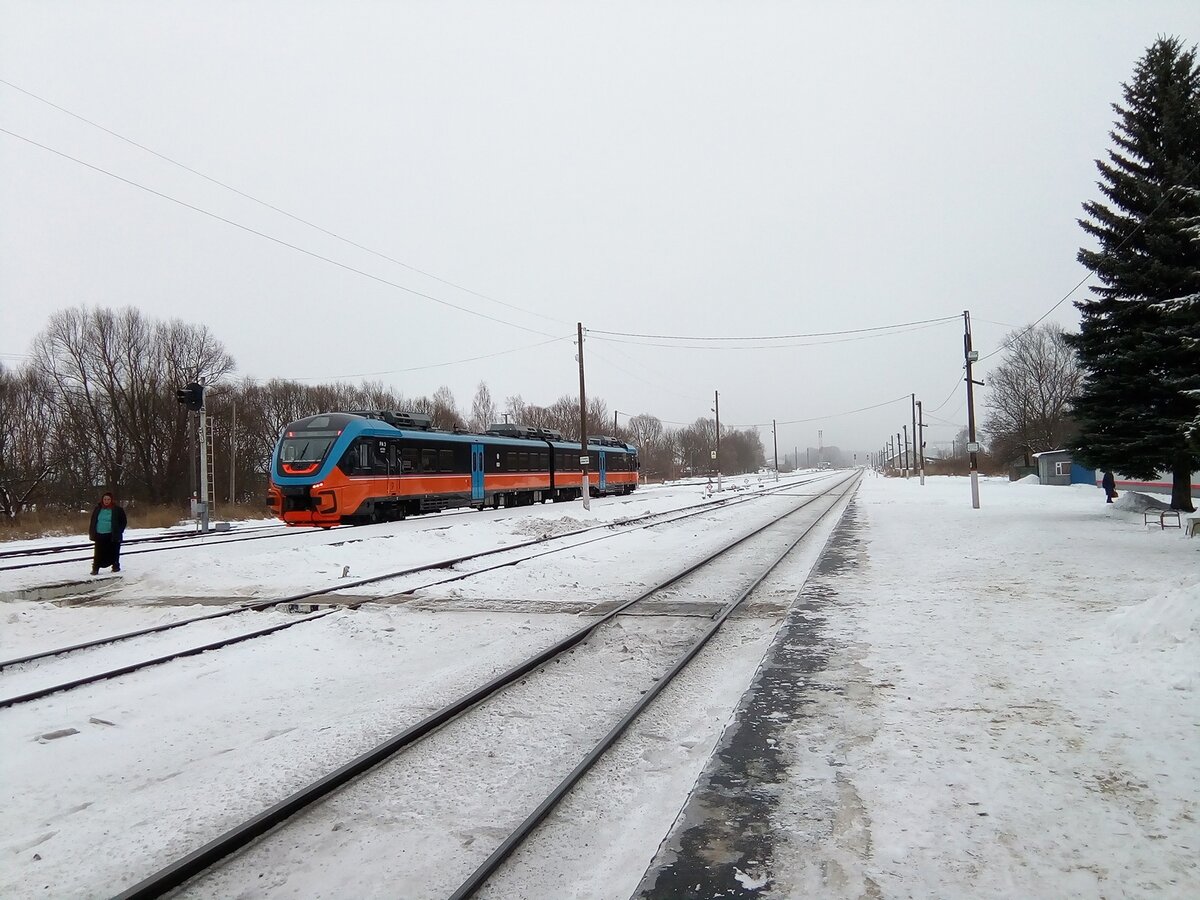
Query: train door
[
  {"x": 603, "y": 471},
  {"x": 387, "y": 454},
  {"x": 477, "y": 471}
]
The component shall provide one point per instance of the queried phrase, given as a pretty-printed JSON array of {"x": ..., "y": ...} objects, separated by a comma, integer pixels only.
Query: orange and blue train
[{"x": 348, "y": 468}]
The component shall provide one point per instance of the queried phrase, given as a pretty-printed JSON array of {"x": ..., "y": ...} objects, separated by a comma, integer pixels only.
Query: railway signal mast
[{"x": 192, "y": 397}]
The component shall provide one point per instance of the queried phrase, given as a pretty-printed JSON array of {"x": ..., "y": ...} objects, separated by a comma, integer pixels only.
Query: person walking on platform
[
  {"x": 1109, "y": 483},
  {"x": 106, "y": 528}
]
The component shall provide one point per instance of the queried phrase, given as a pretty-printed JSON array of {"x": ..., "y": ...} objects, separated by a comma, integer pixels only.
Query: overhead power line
[
  {"x": 866, "y": 334},
  {"x": 282, "y": 243},
  {"x": 453, "y": 362},
  {"x": 838, "y": 415},
  {"x": 1090, "y": 272},
  {"x": 768, "y": 337},
  {"x": 271, "y": 206},
  {"x": 953, "y": 390}
]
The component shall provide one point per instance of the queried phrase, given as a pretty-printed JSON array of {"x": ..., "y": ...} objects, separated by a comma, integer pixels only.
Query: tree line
[{"x": 94, "y": 408}]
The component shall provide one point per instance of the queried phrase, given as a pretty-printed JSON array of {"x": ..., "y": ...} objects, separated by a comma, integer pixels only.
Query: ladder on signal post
[
  {"x": 210, "y": 478},
  {"x": 207, "y": 475}
]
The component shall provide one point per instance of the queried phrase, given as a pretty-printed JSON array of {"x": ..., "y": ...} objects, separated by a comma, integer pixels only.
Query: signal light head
[{"x": 191, "y": 396}]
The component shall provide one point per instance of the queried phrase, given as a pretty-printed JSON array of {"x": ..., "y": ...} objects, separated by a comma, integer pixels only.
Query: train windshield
[{"x": 308, "y": 446}]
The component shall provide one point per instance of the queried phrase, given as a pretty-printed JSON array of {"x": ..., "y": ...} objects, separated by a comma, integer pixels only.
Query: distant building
[{"x": 1057, "y": 467}]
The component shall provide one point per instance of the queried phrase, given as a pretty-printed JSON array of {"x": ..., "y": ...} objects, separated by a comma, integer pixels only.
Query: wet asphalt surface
[{"x": 722, "y": 839}]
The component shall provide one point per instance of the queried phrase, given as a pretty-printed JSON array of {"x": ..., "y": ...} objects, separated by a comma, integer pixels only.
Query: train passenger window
[
  {"x": 408, "y": 459},
  {"x": 428, "y": 460},
  {"x": 446, "y": 460},
  {"x": 523, "y": 461}
]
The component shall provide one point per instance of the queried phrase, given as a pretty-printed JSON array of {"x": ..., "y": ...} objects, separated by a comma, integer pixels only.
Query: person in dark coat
[
  {"x": 106, "y": 528},
  {"x": 1109, "y": 483}
]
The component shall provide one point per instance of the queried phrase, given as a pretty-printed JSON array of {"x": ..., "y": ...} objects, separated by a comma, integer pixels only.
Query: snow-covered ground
[
  {"x": 1014, "y": 702},
  {"x": 1011, "y": 707}
]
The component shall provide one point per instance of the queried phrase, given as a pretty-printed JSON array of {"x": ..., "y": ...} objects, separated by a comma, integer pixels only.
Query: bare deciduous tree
[
  {"x": 1029, "y": 395},
  {"x": 483, "y": 410}
]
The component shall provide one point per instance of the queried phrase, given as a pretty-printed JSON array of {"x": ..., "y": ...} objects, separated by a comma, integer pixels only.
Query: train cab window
[
  {"x": 428, "y": 460},
  {"x": 381, "y": 464},
  {"x": 363, "y": 464},
  {"x": 446, "y": 460},
  {"x": 408, "y": 459}
]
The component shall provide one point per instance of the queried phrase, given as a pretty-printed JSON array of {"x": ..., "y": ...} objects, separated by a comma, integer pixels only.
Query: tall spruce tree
[{"x": 1139, "y": 340}]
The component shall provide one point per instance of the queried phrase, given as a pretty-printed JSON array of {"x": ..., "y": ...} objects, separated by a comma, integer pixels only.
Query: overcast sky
[{"x": 663, "y": 168}]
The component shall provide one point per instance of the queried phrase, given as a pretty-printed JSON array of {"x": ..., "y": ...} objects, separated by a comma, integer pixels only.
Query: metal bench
[{"x": 1162, "y": 515}]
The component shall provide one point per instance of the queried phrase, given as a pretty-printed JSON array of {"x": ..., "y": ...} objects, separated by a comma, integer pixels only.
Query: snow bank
[
  {"x": 1162, "y": 621},
  {"x": 1028, "y": 479},
  {"x": 1135, "y": 502}
]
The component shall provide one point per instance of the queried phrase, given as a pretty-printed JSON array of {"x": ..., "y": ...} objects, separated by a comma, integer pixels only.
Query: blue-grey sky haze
[{"x": 666, "y": 168}]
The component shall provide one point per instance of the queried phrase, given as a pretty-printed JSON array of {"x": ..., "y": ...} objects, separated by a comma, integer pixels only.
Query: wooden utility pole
[
  {"x": 971, "y": 356},
  {"x": 907, "y": 458},
  {"x": 915, "y": 433},
  {"x": 585, "y": 488}
]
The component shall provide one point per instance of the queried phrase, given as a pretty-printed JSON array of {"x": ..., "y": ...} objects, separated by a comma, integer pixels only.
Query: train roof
[{"x": 410, "y": 425}]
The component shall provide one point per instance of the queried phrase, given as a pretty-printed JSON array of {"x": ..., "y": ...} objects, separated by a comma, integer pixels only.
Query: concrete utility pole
[
  {"x": 972, "y": 447},
  {"x": 899, "y": 454},
  {"x": 717, "y": 410},
  {"x": 907, "y": 458},
  {"x": 614, "y": 423},
  {"x": 820, "y": 446},
  {"x": 921, "y": 440},
  {"x": 585, "y": 488}
]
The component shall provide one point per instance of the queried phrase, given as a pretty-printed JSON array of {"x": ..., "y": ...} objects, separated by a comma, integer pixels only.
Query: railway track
[
  {"x": 175, "y": 541},
  {"x": 156, "y": 539},
  {"x": 563, "y": 541},
  {"x": 465, "y": 709},
  {"x": 172, "y": 542}
]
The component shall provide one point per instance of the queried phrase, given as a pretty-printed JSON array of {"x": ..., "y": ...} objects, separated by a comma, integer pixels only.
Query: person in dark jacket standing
[
  {"x": 105, "y": 530},
  {"x": 1109, "y": 483}
]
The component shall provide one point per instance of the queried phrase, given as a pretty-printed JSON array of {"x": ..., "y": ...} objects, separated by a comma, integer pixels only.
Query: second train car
[{"x": 356, "y": 467}]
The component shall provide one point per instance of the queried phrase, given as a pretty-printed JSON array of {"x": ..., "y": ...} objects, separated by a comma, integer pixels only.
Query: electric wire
[
  {"x": 876, "y": 333},
  {"x": 953, "y": 390},
  {"x": 440, "y": 365},
  {"x": 271, "y": 206},
  {"x": 275, "y": 240},
  {"x": 838, "y": 415},
  {"x": 1090, "y": 272},
  {"x": 772, "y": 337}
]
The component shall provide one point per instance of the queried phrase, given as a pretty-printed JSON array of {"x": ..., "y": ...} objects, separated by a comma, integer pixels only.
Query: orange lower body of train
[{"x": 342, "y": 500}]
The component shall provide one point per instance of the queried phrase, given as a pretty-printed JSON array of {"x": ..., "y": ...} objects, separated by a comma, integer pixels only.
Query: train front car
[{"x": 305, "y": 479}]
